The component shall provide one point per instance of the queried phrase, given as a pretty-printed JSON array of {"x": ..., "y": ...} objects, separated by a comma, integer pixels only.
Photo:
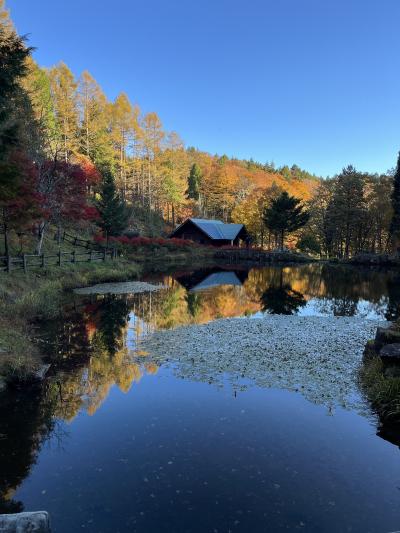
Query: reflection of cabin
[
  {"x": 206, "y": 279},
  {"x": 217, "y": 279},
  {"x": 212, "y": 232}
]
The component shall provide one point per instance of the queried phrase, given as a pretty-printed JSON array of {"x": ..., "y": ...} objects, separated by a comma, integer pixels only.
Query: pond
[{"x": 226, "y": 401}]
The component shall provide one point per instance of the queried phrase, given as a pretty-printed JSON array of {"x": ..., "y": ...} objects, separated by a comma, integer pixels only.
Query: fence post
[
  {"x": 104, "y": 254},
  {"x": 43, "y": 261},
  {"x": 90, "y": 255},
  {"x": 73, "y": 256},
  {"x": 24, "y": 262},
  {"x": 59, "y": 258},
  {"x": 8, "y": 263}
]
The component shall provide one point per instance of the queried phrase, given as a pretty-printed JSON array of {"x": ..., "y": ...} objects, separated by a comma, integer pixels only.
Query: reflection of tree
[
  {"x": 25, "y": 423},
  {"x": 282, "y": 299},
  {"x": 113, "y": 318},
  {"x": 193, "y": 303},
  {"x": 88, "y": 343},
  {"x": 67, "y": 339},
  {"x": 335, "y": 289},
  {"x": 343, "y": 286},
  {"x": 99, "y": 329},
  {"x": 393, "y": 308}
]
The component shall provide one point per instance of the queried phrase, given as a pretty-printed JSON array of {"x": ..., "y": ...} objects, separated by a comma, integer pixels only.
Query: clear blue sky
[{"x": 312, "y": 82}]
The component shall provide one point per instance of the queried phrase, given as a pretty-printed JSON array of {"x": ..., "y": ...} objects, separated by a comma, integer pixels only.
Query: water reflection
[
  {"x": 96, "y": 344},
  {"x": 306, "y": 289},
  {"x": 393, "y": 307},
  {"x": 281, "y": 299},
  {"x": 91, "y": 348},
  {"x": 89, "y": 355}
]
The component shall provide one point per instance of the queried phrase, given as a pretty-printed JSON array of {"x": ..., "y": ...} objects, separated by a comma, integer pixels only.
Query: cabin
[{"x": 211, "y": 232}]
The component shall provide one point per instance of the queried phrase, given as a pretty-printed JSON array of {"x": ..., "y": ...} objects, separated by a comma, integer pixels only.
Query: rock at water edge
[{"x": 36, "y": 522}]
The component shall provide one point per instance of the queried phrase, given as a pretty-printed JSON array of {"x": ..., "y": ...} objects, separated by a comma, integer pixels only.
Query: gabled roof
[{"x": 216, "y": 229}]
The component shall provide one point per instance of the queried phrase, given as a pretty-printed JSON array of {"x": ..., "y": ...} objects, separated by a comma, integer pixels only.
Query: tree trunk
[
  {"x": 6, "y": 247},
  {"x": 59, "y": 230},
  {"x": 87, "y": 123},
  {"x": 42, "y": 228}
]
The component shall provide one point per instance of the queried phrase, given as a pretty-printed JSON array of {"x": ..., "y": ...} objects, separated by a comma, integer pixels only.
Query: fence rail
[
  {"x": 26, "y": 261},
  {"x": 76, "y": 241}
]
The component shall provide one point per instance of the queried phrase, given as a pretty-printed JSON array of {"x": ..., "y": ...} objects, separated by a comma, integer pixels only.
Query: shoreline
[{"x": 29, "y": 299}]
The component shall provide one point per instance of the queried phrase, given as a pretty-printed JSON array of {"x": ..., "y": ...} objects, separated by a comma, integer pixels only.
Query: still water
[{"x": 112, "y": 442}]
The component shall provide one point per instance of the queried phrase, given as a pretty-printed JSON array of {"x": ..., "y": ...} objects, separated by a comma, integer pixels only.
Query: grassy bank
[
  {"x": 382, "y": 388},
  {"x": 380, "y": 380},
  {"x": 160, "y": 251},
  {"x": 26, "y": 299},
  {"x": 159, "y": 259}
]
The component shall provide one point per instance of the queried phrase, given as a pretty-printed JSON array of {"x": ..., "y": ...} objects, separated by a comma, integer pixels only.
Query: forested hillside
[
  {"x": 66, "y": 131},
  {"x": 65, "y": 148}
]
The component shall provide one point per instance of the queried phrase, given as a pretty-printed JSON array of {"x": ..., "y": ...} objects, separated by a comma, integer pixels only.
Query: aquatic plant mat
[
  {"x": 124, "y": 287},
  {"x": 317, "y": 356}
]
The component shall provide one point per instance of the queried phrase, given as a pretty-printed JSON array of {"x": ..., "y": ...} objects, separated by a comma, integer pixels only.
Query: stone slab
[{"x": 35, "y": 522}]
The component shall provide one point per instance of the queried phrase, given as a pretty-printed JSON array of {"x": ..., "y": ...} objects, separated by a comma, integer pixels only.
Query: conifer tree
[
  {"x": 285, "y": 215},
  {"x": 65, "y": 98},
  {"x": 36, "y": 83},
  {"x": 124, "y": 126},
  {"x": 113, "y": 212},
  {"x": 395, "y": 224},
  {"x": 13, "y": 56},
  {"x": 95, "y": 141},
  {"x": 194, "y": 180}
]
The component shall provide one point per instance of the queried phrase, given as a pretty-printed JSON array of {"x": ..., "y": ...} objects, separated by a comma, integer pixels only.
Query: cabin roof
[{"x": 216, "y": 229}]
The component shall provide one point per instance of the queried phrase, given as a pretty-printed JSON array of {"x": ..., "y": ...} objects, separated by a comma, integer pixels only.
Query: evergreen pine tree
[
  {"x": 285, "y": 215},
  {"x": 113, "y": 212},
  {"x": 13, "y": 56},
  {"x": 194, "y": 179},
  {"x": 395, "y": 224}
]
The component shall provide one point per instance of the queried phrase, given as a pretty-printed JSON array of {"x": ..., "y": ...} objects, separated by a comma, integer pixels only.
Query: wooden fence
[
  {"x": 26, "y": 261},
  {"x": 76, "y": 241}
]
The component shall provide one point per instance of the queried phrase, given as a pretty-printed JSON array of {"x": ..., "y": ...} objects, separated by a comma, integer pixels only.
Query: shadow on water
[
  {"x": 95, "y": 345},
  {"x": 26, "y": 422}
]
